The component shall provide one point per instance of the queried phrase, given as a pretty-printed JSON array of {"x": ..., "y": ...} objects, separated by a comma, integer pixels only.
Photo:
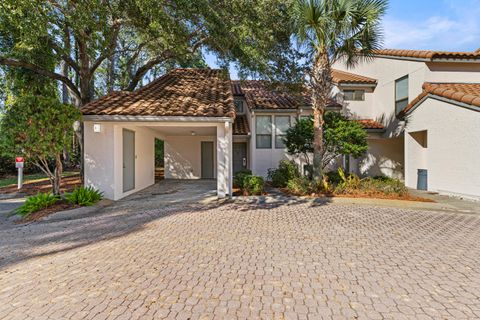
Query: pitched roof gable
[
  {"x": 180, "y": 92},
  {"x": 262, "y": 95},
  {"x": 466, "y": 93},
  {"x": 343, "y": 77}
]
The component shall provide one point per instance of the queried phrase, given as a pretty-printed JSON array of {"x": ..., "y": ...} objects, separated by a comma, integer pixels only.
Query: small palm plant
[
  {"x": 37, "y": 202},
  {"x": 84, "y": 196},
  {"x": 332, "y": 30}
]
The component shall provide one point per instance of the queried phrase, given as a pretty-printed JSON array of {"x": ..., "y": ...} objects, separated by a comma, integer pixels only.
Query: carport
[{"x": 191, "y": 110}]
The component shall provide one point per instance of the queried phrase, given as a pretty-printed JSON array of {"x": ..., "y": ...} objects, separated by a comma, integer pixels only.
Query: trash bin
[{"x": 422, "y": 179}]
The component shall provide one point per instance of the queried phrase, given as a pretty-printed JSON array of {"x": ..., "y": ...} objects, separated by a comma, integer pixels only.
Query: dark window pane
[{"x": 400, "y": 105}]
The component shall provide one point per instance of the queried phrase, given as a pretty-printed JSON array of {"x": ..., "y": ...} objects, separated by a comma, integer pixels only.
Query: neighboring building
[
  {"x": 213, "y": 127},
  {"x": 428, "y": 102}
]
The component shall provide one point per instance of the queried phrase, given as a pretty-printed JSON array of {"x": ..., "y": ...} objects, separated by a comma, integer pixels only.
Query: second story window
[
  {"x": 263, "y": 128},
  {"x": 354, "y": 95},
  {"x": 239, "y": 106},
  {"x": 401, "y": 94}
]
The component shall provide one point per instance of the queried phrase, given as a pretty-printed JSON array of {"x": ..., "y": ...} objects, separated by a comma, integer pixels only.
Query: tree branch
[
  {"x": 63, "y": 55},
  {"x": 39, "y": 70},
  {"x": 109, "y": 50},
  {"x": 167, "y": 54}
]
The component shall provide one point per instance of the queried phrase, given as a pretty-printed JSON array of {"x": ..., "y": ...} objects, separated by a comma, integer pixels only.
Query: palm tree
[{"x": 332, "y": 30}]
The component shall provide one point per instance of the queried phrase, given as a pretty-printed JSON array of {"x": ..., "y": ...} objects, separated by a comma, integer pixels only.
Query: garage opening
[{"x": 159, "y": 160}]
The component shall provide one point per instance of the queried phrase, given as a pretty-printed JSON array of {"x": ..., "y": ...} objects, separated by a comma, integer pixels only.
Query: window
[
  {"x": 239, "y": 106},
  {"x": 401, "y": 94},
  {"x": 263, "y": 126},
  {"x": 282, "y": 123},
  {"x": 354, "y": 95}
]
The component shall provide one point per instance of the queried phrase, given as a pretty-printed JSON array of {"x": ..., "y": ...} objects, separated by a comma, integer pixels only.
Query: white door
[{"x": 128, "y": 160}]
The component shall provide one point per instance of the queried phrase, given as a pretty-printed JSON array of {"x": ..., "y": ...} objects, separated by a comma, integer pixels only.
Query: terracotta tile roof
[
  {"x": 468, "y": 93},
  {"x": 340, "y": 77},
  {"x": 240, "y": 125},
  {"x": 181, "y": 92},
  {"x": 259, "y": 95},
  {"x": 370, "y": 124},
  {"x": 428, "y": 54}
]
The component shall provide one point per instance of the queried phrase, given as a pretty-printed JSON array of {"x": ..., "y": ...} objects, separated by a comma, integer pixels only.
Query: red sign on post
[{"x": 19, "y": 159}]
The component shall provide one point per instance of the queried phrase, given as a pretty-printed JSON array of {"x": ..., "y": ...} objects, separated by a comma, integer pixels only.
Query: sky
[{"x": 447, "y": 25}]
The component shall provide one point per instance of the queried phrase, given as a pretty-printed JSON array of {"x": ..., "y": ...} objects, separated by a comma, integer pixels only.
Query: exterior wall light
[{"x": 97, "y": 127}]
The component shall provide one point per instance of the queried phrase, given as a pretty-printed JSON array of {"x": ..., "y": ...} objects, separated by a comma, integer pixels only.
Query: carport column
[{"x": 224, "y": 159}]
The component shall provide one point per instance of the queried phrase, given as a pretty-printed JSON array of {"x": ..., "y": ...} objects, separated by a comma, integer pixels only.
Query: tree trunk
[
  {"x": 321, "y": 83},
  {"x": 57, "y": 178},
  {"x": 111, "y": 74}
]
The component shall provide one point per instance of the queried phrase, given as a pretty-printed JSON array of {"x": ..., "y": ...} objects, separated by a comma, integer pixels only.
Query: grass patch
[{"x": 29, "y": 178}]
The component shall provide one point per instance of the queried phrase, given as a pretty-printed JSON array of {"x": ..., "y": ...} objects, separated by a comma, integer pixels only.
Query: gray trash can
[{"x": 422, "y": 178}]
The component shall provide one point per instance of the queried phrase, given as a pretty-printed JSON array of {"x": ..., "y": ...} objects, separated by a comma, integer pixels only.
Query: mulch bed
[
  {"x": 59, "y": 206},
  {"x": 31, "y": 188},
  {"x": 378, "y": 195}
]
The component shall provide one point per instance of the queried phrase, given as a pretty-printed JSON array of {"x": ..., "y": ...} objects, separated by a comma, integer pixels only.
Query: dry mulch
[
  {"x": 406, "y": 197},
  {"x": 31, "y": 188},
  {"x": 59, "y": 206},
  {"x": 379, "y": 195}
]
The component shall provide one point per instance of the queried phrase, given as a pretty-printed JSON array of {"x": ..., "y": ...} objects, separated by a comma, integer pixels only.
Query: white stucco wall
[
  {"x": 99, "y": 158},
  {"x": 264, "y": 159},
  {"x": 386, "y": 71},
  {"x": 453, "y": 148},
  {"x": 104, "y": 153},
  {"x": 183, "y": 156},
  {"x": 384, "y": 157}
]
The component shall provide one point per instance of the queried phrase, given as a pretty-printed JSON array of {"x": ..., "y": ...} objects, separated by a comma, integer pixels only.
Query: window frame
[
  {"x": 354, "y": 96},
  {"x": 396, "y": 101},
  {"x": 235, "y": 101},
  {"x": 257, "y": 135},
  {"x": 285, "y": 133}
]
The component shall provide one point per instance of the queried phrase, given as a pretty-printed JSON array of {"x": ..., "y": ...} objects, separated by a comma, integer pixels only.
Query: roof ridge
[{"x": 428, "y": 54}]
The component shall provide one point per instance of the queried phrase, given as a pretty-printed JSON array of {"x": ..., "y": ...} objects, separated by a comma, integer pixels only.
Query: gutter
[
  {"x": 113, "y": 118},
  {"x": 357, "y": 85}
]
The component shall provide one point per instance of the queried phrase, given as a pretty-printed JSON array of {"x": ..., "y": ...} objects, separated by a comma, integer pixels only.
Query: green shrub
[
  {"x": 371, "y": 185},
  {"x": 333, "y": 177},
  {"x": 37, "y": 202},
  {"x": 239, "y": 176},
  {"x": 386, "y": 186},
  {"x": 84, "y": 196},
  {"x": 252, "y": 185},
  {"x": 300, "y": 186},
  {"x": 286, "y": 171}
]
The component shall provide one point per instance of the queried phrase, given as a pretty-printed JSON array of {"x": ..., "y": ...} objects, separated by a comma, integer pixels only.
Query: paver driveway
[{"x": 245, "y": 261}]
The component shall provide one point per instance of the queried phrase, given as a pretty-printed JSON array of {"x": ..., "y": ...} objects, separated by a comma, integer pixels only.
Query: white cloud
[{"x": 459, "y": 31}]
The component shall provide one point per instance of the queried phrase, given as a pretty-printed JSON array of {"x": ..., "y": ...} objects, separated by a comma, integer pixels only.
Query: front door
[
  {"x": 239, "y": 156},
  {"x": 128, "y": 160},
  {"x": 207, "y": 159}
]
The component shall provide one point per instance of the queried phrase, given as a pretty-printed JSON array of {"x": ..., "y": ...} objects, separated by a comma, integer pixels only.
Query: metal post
[{"x": 20, "y": 177}]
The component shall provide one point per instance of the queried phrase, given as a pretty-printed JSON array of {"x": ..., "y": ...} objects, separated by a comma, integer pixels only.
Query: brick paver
[{"x": 244, "y": 261}]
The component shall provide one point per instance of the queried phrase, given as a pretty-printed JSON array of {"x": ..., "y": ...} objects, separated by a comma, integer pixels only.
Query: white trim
[{"x": 155, "y": 118}]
